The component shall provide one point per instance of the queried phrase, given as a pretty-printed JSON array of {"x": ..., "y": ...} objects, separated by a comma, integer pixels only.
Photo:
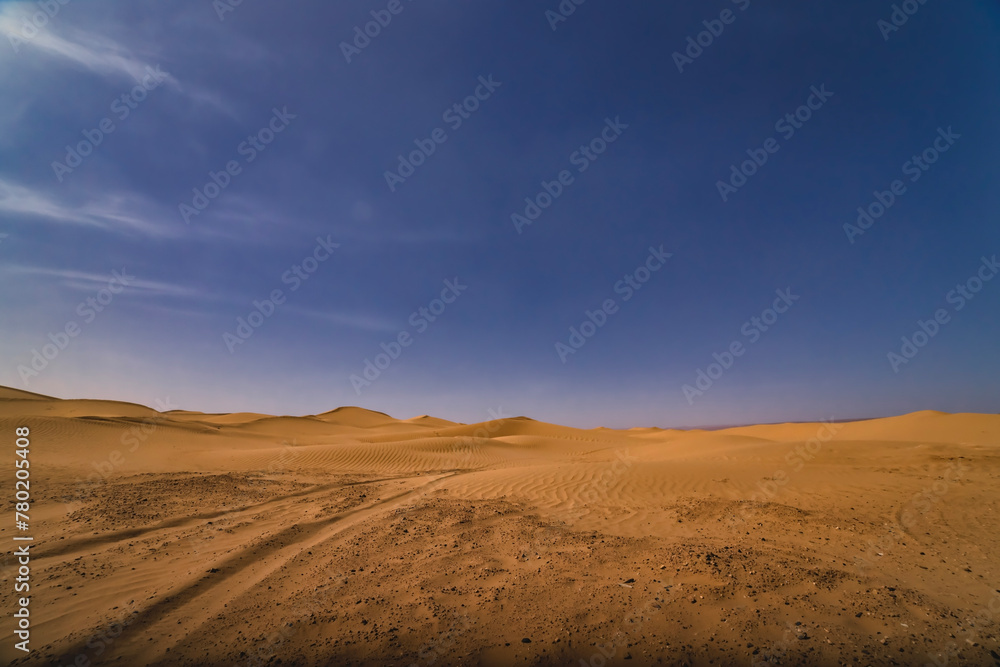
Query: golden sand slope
[{"x": 351, "y": 537}]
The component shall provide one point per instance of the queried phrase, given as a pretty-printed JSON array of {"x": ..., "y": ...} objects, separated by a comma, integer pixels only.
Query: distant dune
[{"x": 354, "y": 538}]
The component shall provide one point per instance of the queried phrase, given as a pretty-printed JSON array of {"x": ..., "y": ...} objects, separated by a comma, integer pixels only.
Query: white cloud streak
[
  {"x": 110, "y": 213},
  {"x": 89, "y": 282}
]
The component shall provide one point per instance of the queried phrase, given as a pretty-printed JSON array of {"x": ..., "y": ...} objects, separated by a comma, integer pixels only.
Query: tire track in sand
[{"x": 174, "y": 613}]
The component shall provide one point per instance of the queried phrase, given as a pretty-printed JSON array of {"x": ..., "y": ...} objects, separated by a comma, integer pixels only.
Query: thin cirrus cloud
[
  {"x": 119, "y": 212},
  {"x": 89, "y": 282},
  {"x": 324, "y": 178},
  {"x": 357, "y": 321},
  {"x": 85, "y": 281},
  {"x": 97, "y": 54}
]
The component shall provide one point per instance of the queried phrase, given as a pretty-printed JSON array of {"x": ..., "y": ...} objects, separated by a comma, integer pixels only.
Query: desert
[
  {"x": 419, "y": 334},
  {"x": 354, "y": 538}
]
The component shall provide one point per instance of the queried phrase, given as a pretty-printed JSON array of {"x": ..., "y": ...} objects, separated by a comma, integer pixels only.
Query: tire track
[
  {"x": 73, "y": 546},
  {"x": 241, "y": 572}
]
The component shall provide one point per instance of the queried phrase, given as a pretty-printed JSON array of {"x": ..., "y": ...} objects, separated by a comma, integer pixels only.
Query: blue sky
[{"x": 267, "y": 92}]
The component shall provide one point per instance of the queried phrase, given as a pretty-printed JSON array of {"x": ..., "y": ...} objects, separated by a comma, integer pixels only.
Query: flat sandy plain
[{"x": 353, "y": 538}]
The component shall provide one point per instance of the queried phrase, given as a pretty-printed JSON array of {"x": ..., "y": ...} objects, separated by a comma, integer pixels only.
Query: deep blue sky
[{"x": 494, "y": 347}]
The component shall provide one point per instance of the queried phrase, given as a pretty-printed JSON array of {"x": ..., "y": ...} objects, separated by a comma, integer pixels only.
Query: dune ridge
[{"x": 352, "y": 537}]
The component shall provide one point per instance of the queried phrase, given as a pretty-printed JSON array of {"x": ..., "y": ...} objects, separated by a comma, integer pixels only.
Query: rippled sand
[{"x": 352, "y": 538}]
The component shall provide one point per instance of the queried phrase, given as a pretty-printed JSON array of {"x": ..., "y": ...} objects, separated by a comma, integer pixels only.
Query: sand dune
[{"x": 351, "y": 537}]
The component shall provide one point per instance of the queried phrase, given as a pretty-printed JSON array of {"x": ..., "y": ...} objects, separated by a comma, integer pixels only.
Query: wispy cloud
[
  {"x": 119, "y": 212},
  {"x": 88, "y": 282},
  {"x": 349, "y": 320},
  {"x": 93, "y": 52}
]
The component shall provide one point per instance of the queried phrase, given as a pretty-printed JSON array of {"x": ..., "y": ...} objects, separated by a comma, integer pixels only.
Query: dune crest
[{"x": 379, "y": 536}]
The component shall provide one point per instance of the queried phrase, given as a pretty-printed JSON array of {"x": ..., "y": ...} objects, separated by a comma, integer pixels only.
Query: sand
[{"x": 353, "y": 538}]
